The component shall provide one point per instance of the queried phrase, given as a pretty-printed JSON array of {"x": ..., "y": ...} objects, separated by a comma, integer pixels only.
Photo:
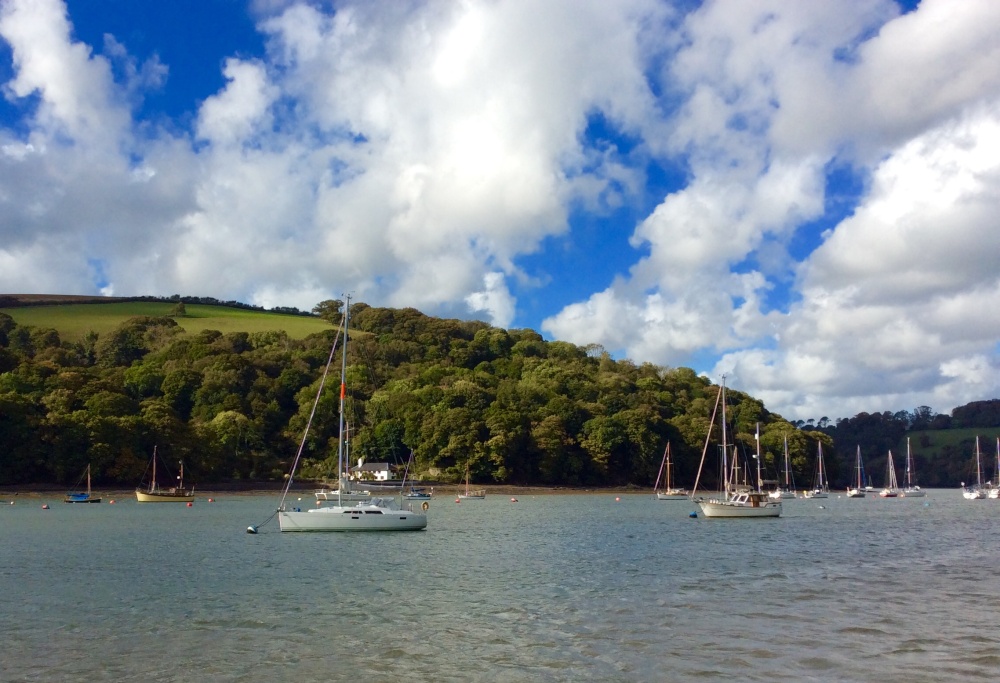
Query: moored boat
[
  {"x": 375, "y": 514},
  {"x": 891, "y": 489},
  {"x": 858, "y": 490},
  {"x": 172, "y": 494},
  {"x": 82, "y": 496},
  {"x": 821, "y": 489},
  {"x": 911, "y": 490},
  {"x": 739, "y": 500},
  {"x": 669, "y": 492}
]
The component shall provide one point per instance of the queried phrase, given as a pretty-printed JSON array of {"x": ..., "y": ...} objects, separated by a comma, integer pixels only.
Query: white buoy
[{"x": 251, "y": 529}]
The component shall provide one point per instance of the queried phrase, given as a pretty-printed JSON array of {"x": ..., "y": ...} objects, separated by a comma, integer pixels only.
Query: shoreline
[{"x": 258, "y": 489}]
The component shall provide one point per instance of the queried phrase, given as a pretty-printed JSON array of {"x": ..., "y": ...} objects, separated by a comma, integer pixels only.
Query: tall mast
[
  {"x": 788, "y": 482},
  {"x": 909, "y": 479},
  {"x": 343, "y": 393},
  {"x": 757, "y": 437},
  {"x": 725, "y": 445}
]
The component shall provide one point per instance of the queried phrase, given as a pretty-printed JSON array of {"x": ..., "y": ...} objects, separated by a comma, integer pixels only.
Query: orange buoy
[
  {"x": 513, "y": 500},
  {"x": 111, "y": 502},
  {"x": 617, "y": 499},
  {"x": 190, "y": 504},
  {"x": 45, "y": 507},
  {"x": 458, "y": 500},
  {"x": 211, "y": 500}
]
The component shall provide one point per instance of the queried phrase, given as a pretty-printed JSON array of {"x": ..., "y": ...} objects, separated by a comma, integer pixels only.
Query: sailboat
[
  {"x": 668, "y": 492},
  {"x": 994, "y": 491},
  {"x": 858, "y": 490},
  {"x": 471, "y": 494},
  {"x": 911, "y": 490},
  {"x": 822, "y": 486},
  {"x": 975, "y": 492},
  {"x": 174, "y": 494},
  {"x": 82, "y": 497},
  {"x": 891, "y": 489},
  {"x": 787, "y": 491},
  {"x": 376, "y": 514},
  {"x": 739, "y": 500}
]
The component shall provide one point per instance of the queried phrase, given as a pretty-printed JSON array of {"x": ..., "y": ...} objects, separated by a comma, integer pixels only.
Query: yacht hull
[{"x": 351, "y": 518}]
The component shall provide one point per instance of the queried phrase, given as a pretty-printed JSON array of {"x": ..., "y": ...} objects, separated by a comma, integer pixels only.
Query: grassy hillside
[{"x": 74, "y": 320}]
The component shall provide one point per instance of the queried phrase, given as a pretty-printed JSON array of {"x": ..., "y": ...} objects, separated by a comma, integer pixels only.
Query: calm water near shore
[{"x": 551, "y": 588}]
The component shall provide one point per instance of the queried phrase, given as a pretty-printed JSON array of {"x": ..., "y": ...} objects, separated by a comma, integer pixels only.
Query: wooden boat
[
  {"x": 173, "y": 494},
  {"x": 82, "y": 496},
  {"x": 739, "y": 500}
]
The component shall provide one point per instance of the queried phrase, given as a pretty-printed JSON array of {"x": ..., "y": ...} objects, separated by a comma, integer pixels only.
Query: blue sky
[{"x": 800, "y": 195}]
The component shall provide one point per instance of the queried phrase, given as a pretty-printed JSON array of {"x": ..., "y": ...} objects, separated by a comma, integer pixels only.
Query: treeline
[{"x": 513, "y": 407}]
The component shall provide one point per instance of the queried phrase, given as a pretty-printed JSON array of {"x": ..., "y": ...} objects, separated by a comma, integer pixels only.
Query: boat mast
[
  {"x": 979, "y": 471},
  {"x": 343, "y": 393},
  {"x": 788, "y": 483},
  {"x": 757, "y": 437},
  {"x": 152, "y": 484},
  {"x": 668, "y": 464},
  {"x": 909, "y": 478},
  {"x": 725, "y": 446},
  {"x": 88, "y": 481}
]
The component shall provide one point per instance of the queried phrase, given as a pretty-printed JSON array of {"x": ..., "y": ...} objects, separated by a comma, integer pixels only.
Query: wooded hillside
[{"x": 233, "y": 406}]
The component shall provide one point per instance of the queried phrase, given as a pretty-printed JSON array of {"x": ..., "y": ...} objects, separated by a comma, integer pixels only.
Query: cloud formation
[{"x": 435, "y": 155}]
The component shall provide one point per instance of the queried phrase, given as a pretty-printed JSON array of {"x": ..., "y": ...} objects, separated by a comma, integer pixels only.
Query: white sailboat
[
  {"x": 976, "y": 491},
  {"x": 858, "y": 490},
  {"x": 376, "y": 514},
  {"x": 891, "y": 489},
  {"x": 911, "y": 490},
  {"x": 786, "y": 492},
  {"x": 471, "y": 494},
  {"x": 668, "y": 492},
  {"x": 739, "y": 500},
  {"x": 994, "y": 490},
  {"x": 821, "y": 489}
]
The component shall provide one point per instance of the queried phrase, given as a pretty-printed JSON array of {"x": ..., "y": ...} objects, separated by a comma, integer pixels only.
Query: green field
[{"x": 74, "y": 321}]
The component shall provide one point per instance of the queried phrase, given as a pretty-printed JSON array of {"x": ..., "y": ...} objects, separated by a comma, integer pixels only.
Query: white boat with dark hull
[
  {"x": 375, "y": 514},
  {"x": 739, "y": 500},
  {"x": 669, "y": 492}
]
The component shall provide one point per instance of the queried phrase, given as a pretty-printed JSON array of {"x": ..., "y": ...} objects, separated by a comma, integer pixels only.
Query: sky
[{"x": 801, "y": 196}]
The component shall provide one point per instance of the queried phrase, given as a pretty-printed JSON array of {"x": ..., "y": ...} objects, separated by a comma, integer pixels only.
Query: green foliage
[{"x": 233, "y": 403}]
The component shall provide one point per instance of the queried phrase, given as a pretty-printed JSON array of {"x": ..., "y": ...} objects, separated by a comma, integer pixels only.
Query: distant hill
[{"x": 74, "y": 316}]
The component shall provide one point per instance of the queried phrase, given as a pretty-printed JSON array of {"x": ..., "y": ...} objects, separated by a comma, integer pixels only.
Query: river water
[{"x": 593, "y": 587}]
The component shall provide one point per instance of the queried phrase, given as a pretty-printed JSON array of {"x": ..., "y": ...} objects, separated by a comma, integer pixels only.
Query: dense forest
[{"x": 511, "y": 406}]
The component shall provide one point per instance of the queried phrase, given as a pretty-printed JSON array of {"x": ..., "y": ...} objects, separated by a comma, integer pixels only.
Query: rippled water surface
[{"x": 551, "y": 588}]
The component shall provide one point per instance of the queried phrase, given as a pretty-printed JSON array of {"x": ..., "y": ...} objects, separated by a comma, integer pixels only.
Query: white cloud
[{"x": 414, "y": 155}]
